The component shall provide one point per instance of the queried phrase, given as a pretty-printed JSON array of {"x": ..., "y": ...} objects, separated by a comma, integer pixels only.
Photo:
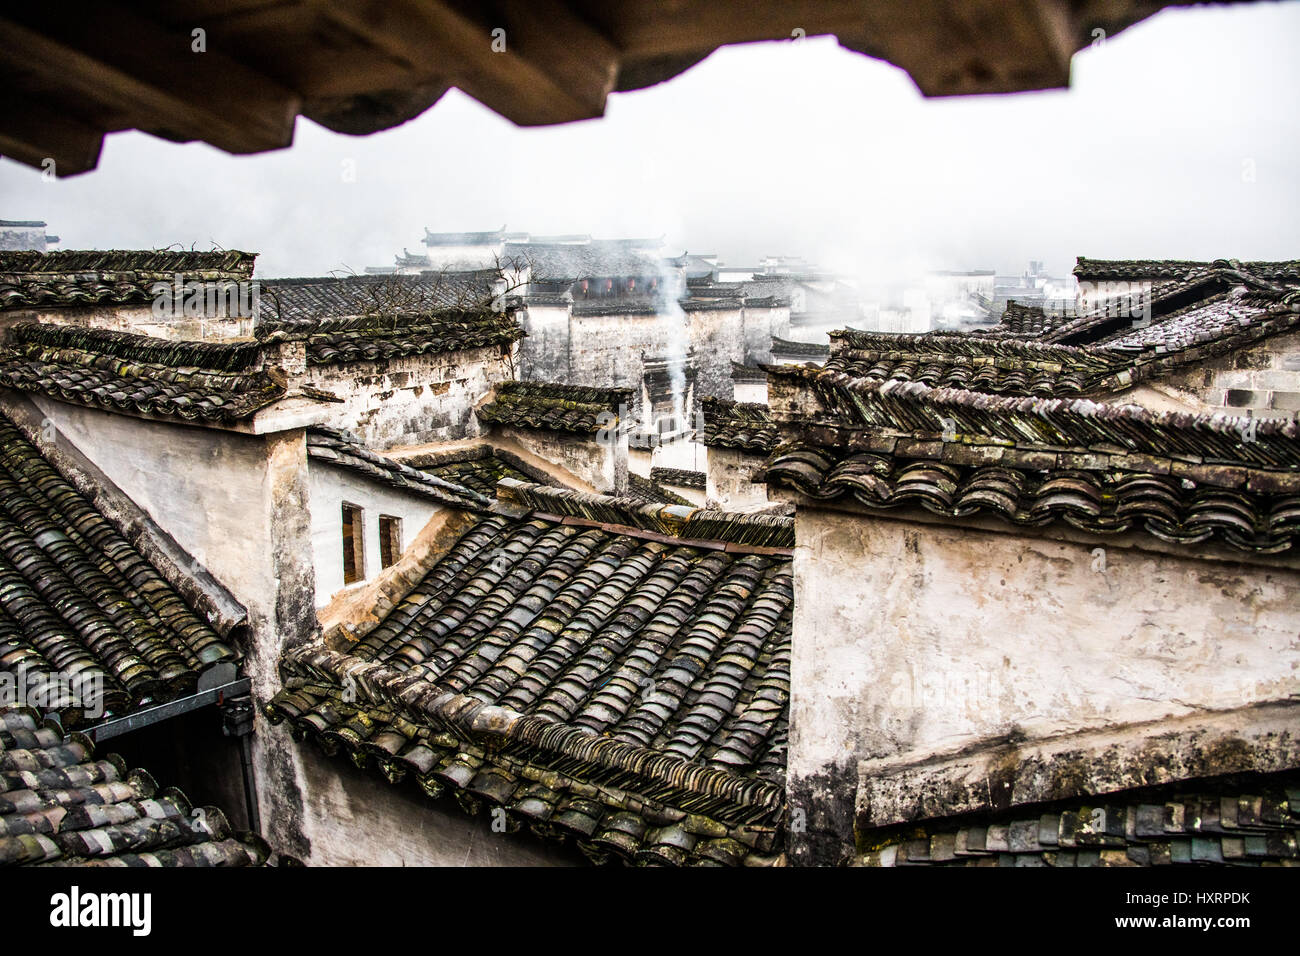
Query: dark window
[
  {"x": 390, "y": 540},
  {"x": 354, "y": 561}
]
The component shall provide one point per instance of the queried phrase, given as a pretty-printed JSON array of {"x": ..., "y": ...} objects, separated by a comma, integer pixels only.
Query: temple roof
[
  {"x": 601, "y": 670},
  {"x": 60, "y": 803}
]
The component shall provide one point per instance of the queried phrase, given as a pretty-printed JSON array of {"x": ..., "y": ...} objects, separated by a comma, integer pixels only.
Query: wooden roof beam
[
  {"x": 549, "y": 66},
  {"x": 117, "y": 58}
]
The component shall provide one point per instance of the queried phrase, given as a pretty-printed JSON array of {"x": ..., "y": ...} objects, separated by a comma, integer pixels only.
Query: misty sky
[{"x": 1180, "y": 138}]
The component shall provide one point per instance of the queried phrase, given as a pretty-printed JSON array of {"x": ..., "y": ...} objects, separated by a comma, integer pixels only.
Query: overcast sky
[{"x": 1180, "y": 138}]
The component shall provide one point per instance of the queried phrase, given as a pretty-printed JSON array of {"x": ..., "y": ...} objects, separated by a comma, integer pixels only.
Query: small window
[
  {"x": 354, "y": 560},
  {"x": 390, "y": 540}
]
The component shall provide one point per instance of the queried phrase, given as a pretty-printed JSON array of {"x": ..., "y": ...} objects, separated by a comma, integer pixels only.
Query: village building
[
  {"x": 994, "y": 660},
  {"x": 876, "y": 595}
]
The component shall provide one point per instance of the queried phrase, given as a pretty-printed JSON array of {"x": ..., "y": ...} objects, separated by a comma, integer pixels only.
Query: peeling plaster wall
[
  {"x": 912, "y": 641},
  {"x": 729, "y": 486},
  {"x": 139, "y": 319},
  {"x": 603, "y": 465},
  {"x": 331, "y": 486},
  {"x": 544, "y": 353},
  {"x": 719, "y": 335},
  {"x": 411, "y": 400},
  {"x": 753, "y": 392},
  {"x": 760, "y": 324}
]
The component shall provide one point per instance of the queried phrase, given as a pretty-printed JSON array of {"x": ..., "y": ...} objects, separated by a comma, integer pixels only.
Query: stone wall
[
  {"x": 923, "y": 651},
  {"x": 1261, "y": 380}
]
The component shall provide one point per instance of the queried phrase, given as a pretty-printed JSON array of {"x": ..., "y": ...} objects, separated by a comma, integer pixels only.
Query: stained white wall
[{"x": 331, "y": 486}]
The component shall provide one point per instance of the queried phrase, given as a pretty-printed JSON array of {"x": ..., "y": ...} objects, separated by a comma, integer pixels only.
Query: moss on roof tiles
[
  {"x": 77, "y": 598},
  {"x": 630, "y": 695},
  {"x": 551, "y": 406}
]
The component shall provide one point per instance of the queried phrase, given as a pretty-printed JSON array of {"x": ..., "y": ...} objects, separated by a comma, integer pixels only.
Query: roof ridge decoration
[
  {"x": 345, "y": 450},
  {"x": 686, "y": 524},
  {"x": 552, "y": 406}
]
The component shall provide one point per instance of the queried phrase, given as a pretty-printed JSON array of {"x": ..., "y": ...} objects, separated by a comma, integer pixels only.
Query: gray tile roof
[
  {"x": 551, "y": 406},
  {"x": 123, "y": 371},
  {"x": 72, "y": 277},
  {"x": 346, "y": 451},
  {"x": 289, "y": 301},
  {"x": 1199, "y": 823},
  {"x": 78, "y": 600},
  {"x": 1102, "y": 468},
  {"x": 61, "y": 803},
  {"x": 602, "y": 671}
]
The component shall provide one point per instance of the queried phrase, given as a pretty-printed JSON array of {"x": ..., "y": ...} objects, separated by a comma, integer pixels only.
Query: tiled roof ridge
[
  {"x": 751, "y": 799},
  {"x": 347, "y": 451},
  {"x": 269, "y": 285},
  {"x": 587, "y": 394},
  {"x": 913, "y": 407},
  {"x": 682, "y": 477},
  {"x": 791, "y": 347},
  {"x": 746, "y": 425},
  {"x": 650, "y": 491},
  {"x": 685, "y": 524},
  {"x": 1149, "y": 364},
  {"x": 160, "y": 261},
  {"x": 964, "y": 345},
  {"x": 133, "y": 346},
  {"x": 1177, "y": 268},
  {"x": 1095, "y": 493},
  {"x": 377, "y": 322},
  {"x": 552, "y": 406}
]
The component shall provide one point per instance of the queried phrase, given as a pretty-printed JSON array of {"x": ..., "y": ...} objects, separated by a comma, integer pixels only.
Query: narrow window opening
[
  {"x": 354, "y": 564},
  {"x": 390, "y": 540}
]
